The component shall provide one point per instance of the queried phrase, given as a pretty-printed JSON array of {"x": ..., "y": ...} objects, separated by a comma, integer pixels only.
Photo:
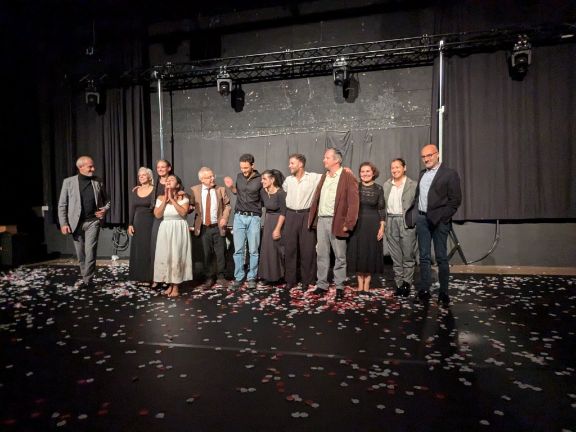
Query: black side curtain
[
  {"x": 513, "y": 142},
  {"x": 116, "y": 134}
]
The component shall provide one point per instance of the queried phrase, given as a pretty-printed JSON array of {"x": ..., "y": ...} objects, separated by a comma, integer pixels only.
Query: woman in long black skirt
[
  {"x": 364, "y": 253},
  {"x": 271, "y": 266},
  {"x": 140, "y": 226}
]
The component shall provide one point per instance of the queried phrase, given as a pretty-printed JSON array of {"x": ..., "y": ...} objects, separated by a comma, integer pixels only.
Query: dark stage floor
[{"x": 122, "y": 358}]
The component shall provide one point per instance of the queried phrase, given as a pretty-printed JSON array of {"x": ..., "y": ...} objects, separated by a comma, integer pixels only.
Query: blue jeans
[
  {"x": 246, "y": 228},
  {"x": 437, "y": 234}
]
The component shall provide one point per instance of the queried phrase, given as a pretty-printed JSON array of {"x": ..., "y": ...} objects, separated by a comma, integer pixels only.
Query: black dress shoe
[
  {"x": 405, "y": 289},
  {"x": 339, "y": 295},
  {"x": 209, "y": 282},
  {"x": 423, "y": 295},
  {"x": 443, "y": 299},
  {"x": 319, "y": 292}
]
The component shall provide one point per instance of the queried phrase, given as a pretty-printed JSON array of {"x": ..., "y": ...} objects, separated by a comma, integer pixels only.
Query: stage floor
[{"x": 120, "y": 357}]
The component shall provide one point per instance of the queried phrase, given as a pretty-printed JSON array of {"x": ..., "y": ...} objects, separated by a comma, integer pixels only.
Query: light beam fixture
[
  {"x": 520, "y": 58},
  {"x": 223, "y": 82}
]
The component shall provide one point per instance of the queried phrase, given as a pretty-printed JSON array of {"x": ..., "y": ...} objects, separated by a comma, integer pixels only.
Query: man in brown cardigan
[
  {"x": 212, "y": 210},
  {"x": 334, "y": 212}
]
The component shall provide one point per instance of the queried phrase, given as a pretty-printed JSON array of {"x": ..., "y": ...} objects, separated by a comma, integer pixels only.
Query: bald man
[
  {"x": 438, "y": 196},
  {"x": 82, "y": 206}
]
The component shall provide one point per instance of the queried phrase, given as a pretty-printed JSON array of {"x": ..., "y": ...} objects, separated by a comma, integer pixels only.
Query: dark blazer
[
  {"x": 345, "y": 208},
  {"x": 196, "y": 201},
  {"x": 70, "y": 202},
  {"x": 444, "y": 196}
]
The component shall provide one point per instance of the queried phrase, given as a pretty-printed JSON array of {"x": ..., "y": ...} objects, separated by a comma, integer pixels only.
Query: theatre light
[
  {"x": 91, "y": 94},
  {"x": 223, "y": 82},
  {"x": 340, "y": 71},
  {"x": 520, "y": 58}
]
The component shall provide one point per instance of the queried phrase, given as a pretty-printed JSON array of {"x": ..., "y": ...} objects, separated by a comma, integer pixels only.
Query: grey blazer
[
  {"x": 407, "y": 194},
  {"x": 70, "y": 203}
]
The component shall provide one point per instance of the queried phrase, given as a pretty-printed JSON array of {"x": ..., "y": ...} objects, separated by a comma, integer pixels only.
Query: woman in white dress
[{"x": 173, "y": 258}]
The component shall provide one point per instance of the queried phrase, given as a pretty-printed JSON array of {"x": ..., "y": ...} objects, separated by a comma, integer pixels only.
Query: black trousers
[
  {"x": 213, "y": 244},
  {"x": 300, "y": 248}
]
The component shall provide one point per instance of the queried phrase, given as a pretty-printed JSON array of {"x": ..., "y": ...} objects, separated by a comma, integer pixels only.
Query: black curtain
[
  {"x": 115, "y": 134},
  {"x": 513, "y": 142}
]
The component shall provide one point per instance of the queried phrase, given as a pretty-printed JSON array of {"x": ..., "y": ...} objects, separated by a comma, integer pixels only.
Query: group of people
[{"x": 284, "y": 230}]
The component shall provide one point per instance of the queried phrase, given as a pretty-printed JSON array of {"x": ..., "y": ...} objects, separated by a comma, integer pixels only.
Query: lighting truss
[{"x": 360, "y": 57}]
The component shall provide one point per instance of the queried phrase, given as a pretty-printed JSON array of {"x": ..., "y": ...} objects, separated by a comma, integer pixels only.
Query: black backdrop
[{"x": 512, "y": 142}]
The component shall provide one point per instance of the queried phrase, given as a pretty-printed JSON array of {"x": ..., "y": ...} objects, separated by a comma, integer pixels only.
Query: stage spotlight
[
  {"x": 520, "y": 58},
  {"x": 237, "y": 99},
  {"x": 223, "y": 82},
  {"x": 92, "y": 95},
  {"x": 340, "y": 71}
]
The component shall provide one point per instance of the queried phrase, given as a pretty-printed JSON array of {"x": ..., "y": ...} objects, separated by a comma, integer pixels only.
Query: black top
[
  {"x": 248, "y": 193},
  {"x": 88, "y": 198},
  {"x": 137, "y": 201},
  {"x": 274, "y": 203},
  {"x": 372, "y": 198}
]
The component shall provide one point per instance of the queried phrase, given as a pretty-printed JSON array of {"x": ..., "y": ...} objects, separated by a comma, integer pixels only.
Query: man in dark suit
[
  {"x": 212, "y": 210},
  {"x": 438, "y": 196},
  {"x": 83, "y": 204}
]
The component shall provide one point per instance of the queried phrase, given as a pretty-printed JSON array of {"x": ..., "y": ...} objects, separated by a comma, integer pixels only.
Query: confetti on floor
[{"x": 121, "y": 356}]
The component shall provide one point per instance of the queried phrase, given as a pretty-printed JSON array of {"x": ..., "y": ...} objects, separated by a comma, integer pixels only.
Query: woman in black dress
[
  {"x": 365, "y": 254},
  {"x": 140, "y": 227},
  {"x": 271, "y": 266}
]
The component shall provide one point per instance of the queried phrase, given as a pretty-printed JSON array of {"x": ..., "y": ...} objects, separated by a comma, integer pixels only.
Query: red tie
[{"x": 207, "y": 220}]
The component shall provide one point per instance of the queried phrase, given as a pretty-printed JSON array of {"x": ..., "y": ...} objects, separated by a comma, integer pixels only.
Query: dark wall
[{"x": 388, "y": 118}]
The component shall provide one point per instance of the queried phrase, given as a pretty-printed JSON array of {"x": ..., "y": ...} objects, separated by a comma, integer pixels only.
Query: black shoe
[
  {"x": 319, "y": 292},
  {"x": 443, "y": 299},
  {"x": 423, "y": 295},
  {"x": 209, "y": 282},
  {"x": 399, "y": 291},
  {"x": 339, "y": 295},
  {"x": 405, "y": 289},
  {"x": 236, "y": 285}
]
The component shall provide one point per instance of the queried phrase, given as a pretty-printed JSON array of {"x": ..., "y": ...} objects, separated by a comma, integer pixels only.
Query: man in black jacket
[{"x": 438, "y": 196}]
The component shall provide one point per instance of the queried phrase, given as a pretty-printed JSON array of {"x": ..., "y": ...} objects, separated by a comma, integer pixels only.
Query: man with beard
[{"x": 82, "y": 206}]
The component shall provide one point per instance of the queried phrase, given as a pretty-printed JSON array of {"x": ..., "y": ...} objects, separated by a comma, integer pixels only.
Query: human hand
[
  {"x": 130, "y": 230},
  {"x": 276, "y": 235},
  {"x": 380, "y": 234},
  {"x": 100, "y": 213},
  {"x": 228, "y": 182},
  {"x": 65, "y": 229}
]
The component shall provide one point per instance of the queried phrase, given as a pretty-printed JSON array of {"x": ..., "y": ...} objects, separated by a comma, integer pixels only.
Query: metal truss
[{"x": 360, "y": 57}]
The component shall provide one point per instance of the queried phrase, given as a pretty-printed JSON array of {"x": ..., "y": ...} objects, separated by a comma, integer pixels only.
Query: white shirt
[
  {"x": 299, "y": 193},
  {"x": 394, "y": 203},
  {"x": 213, "y": 205}
]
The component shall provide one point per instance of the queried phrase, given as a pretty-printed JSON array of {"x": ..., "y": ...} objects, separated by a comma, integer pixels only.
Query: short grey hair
[
  {"x": 148, "y": 172},
  {"x": 81, "y": 161},
  {"x": 202, "y": 171},
  {"x": 337, "y": 153}
]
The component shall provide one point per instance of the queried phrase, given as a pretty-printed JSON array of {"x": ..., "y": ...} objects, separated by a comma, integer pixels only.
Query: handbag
[{"x": 411, "y": 215}]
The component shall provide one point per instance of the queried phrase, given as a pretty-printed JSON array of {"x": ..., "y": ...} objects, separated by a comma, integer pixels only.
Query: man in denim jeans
[
  {"x": 438, "y": 196},
  {"x": 247, "y": 216}
]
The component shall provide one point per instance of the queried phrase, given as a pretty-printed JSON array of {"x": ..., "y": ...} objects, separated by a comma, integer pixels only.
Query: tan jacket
[{"x": 224, "y": 207}]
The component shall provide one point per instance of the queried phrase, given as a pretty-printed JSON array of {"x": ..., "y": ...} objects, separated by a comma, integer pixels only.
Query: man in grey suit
[
  {"x": 399, "y": 193},
  {"x": 438, "y": 196},
  {"x": 83, "y": 204}
]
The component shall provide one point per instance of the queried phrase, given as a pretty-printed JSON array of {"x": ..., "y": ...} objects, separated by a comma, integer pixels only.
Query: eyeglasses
[{"x": 429, "y": 155}]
